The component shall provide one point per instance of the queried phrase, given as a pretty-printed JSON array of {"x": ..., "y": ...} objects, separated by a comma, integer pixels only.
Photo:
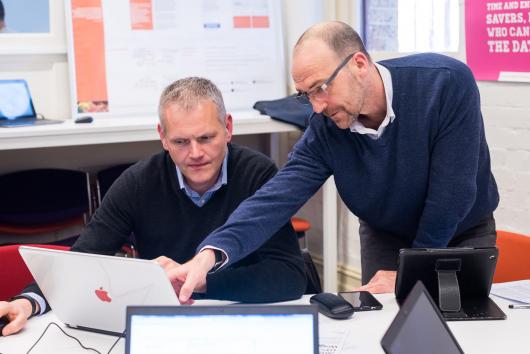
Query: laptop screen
[
  {"x": 15, "y": 100},
  {"x": 222, "y": 329},
  {"x": 419, "y": 328}
]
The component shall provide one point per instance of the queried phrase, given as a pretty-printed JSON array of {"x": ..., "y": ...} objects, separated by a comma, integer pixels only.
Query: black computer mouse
[
  {"x": 332, "y": 305},
  {"x": 86, "y": 119}
]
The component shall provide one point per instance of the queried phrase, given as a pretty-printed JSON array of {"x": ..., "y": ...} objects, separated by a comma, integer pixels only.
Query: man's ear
[
  {"x": 360, "y": 60},
  {"x": 162, "y": 136},
  {"x": 229, "y": 127}
]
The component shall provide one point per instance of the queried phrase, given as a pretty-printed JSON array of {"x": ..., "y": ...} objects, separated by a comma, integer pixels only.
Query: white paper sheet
[{"x": 516, "y": 291}]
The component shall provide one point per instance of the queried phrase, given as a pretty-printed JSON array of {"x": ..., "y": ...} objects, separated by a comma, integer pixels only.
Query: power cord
[
  {"x": 40, "y": 116},
  {"x": 77, "y": 340}
]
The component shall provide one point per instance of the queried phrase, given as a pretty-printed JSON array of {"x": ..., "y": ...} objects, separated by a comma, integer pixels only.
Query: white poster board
[{"x": 122, "y": 53}]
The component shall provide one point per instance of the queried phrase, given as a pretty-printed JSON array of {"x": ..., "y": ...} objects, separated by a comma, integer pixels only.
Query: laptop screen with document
[{"x": 234, "y": 329}]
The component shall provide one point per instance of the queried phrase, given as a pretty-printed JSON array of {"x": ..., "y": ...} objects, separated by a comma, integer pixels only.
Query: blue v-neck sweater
[{"x": 427, "y": 178}]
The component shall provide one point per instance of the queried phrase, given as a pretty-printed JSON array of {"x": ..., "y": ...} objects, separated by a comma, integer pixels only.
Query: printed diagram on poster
[
  {"x": 123, "y": 53},
  {"x": 498, "y": 39}
]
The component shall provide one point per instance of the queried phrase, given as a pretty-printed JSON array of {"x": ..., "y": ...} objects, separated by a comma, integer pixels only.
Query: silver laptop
[
  {"x": 229, "y": 329},
  {"x": 91, "y": 292},
  {"x": 16, "y": 105}
]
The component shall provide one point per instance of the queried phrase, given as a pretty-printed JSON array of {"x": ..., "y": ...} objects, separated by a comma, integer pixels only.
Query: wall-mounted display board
[{"x": 122, "y": 53}]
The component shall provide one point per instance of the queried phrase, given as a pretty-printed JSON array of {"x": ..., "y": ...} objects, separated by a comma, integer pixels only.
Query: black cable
[
  {"x": 40, "y": 116},
  {"x": 77, "y": 340},
  {"x": 116, "y": 342}
]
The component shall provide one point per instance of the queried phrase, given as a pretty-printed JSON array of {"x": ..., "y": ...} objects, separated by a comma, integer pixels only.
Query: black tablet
[
  {"x": 472, "y": 268},
  {"x": 419, "y": 327}
]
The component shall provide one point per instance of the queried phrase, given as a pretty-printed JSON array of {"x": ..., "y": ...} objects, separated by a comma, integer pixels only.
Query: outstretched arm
[
  {"x": 275, "y": 272},
  {"x": 260, "y": 216}
]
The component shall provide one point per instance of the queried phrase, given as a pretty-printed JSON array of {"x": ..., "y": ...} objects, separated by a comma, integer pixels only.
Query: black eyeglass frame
[{"x": 305, "y": 97}]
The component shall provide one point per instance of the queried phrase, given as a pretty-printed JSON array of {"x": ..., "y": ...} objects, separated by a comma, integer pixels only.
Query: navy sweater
[{"x": 427, "y": 178}]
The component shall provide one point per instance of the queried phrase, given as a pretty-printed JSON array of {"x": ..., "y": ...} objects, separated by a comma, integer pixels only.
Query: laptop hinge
[{"x": 448, "y": 288}]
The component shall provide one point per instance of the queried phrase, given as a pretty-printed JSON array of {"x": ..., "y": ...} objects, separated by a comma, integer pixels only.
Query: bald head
[{"x": 338, "y": 36}]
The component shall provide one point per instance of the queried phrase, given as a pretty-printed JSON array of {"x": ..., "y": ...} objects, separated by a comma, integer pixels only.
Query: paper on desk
[
  {"x": 514, "y": 290},
  {"x": 331, "y": 339}
]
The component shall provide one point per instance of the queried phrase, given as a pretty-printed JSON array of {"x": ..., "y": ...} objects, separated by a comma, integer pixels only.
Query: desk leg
[{"x": 329, "y": 227}]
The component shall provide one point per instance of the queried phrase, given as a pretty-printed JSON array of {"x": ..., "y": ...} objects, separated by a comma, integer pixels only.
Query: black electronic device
[
  {"x": 4, "y": 321},
  {"x": 458, "y": 279},
  {"x": 86, "y": 119},
  {"x": 419, "y": 327},
  {"x": 361, "y": 300},
  {"x": 332, "y": 305}
]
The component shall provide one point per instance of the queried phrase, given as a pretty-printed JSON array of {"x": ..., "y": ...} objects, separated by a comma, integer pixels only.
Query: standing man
[
  {"x": 404, "y": 139},
  {"x": 173, "y": 200}
]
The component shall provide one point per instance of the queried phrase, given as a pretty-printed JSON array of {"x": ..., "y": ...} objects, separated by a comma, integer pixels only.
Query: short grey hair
[
  {"x": 188, "y": 93},
  {"x": 339, "y": 36}
]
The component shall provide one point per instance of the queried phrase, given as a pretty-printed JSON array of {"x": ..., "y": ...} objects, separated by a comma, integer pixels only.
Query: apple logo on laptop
[{"x": 103, "y": 295}]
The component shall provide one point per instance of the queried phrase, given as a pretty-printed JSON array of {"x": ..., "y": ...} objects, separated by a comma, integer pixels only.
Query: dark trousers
[{"x": 380, "y": 249}]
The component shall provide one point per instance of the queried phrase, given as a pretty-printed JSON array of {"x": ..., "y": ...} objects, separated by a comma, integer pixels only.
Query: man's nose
[
  {"x": 319, "y": 105},
  {"x": 195, "y": 150}
]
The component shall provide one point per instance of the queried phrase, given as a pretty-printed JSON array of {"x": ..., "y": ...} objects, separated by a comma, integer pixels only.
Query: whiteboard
[{"x": 123, "y": 53}]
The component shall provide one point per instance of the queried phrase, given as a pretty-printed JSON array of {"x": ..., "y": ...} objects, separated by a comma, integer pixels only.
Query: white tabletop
[
  {"x": 118, "y": 130},
  {"x": 364, "y": 331}
]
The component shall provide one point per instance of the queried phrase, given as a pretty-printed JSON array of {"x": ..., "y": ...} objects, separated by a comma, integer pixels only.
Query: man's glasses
[{"x": 320, "y": 92}]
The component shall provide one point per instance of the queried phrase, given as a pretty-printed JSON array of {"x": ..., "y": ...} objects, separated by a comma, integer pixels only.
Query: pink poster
[{"x": 498, "y": 39}]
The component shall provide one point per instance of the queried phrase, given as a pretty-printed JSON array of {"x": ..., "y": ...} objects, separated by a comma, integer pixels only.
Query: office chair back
[
  {"x": 43, "y": 196},
  {"x": 107, "y": 176},
  {"x": 514, "y": 257},
  {"x": 14, "y": 275},
  {"x": 300, "y": 227}
]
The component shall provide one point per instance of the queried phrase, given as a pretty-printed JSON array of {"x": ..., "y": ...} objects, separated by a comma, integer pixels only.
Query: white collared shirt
[{"x": 358, "y": 127}]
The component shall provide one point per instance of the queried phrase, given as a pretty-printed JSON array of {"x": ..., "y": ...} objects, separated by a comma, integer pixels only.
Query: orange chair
[
  {"x": 300, "y": 226},
  {"x": 514, "y": 257},
  {"x": 14, "y": 274},
  {"x": 314, "y": 285}
]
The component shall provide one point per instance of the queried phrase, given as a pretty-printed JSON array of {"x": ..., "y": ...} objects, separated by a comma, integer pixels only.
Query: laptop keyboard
[{"x": 476, "y": 309}]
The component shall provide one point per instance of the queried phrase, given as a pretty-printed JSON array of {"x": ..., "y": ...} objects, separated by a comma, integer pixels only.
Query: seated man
[{"x": 171, "y": 201}]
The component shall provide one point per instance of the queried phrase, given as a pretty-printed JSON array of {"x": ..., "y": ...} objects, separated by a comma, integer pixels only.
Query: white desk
[
  {"x": 119, "y": 130},
  {"x": 136, "y": 129},
  {"x": 365, "y": 330}
]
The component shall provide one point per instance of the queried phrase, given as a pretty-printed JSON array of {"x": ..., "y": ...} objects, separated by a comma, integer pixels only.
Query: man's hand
[
  {"x": 168, "y": 264},
  {"x": 18, "y": 312},
  {"x": 384, "y": 281},
  {"x": 191, "y": 276}
]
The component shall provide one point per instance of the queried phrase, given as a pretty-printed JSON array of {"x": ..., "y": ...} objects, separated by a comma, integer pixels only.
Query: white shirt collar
[{"x": 357, "y": 127}]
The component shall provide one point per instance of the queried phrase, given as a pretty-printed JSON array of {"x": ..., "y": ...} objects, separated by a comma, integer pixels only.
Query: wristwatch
[{"x": 219, "y": 260}]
